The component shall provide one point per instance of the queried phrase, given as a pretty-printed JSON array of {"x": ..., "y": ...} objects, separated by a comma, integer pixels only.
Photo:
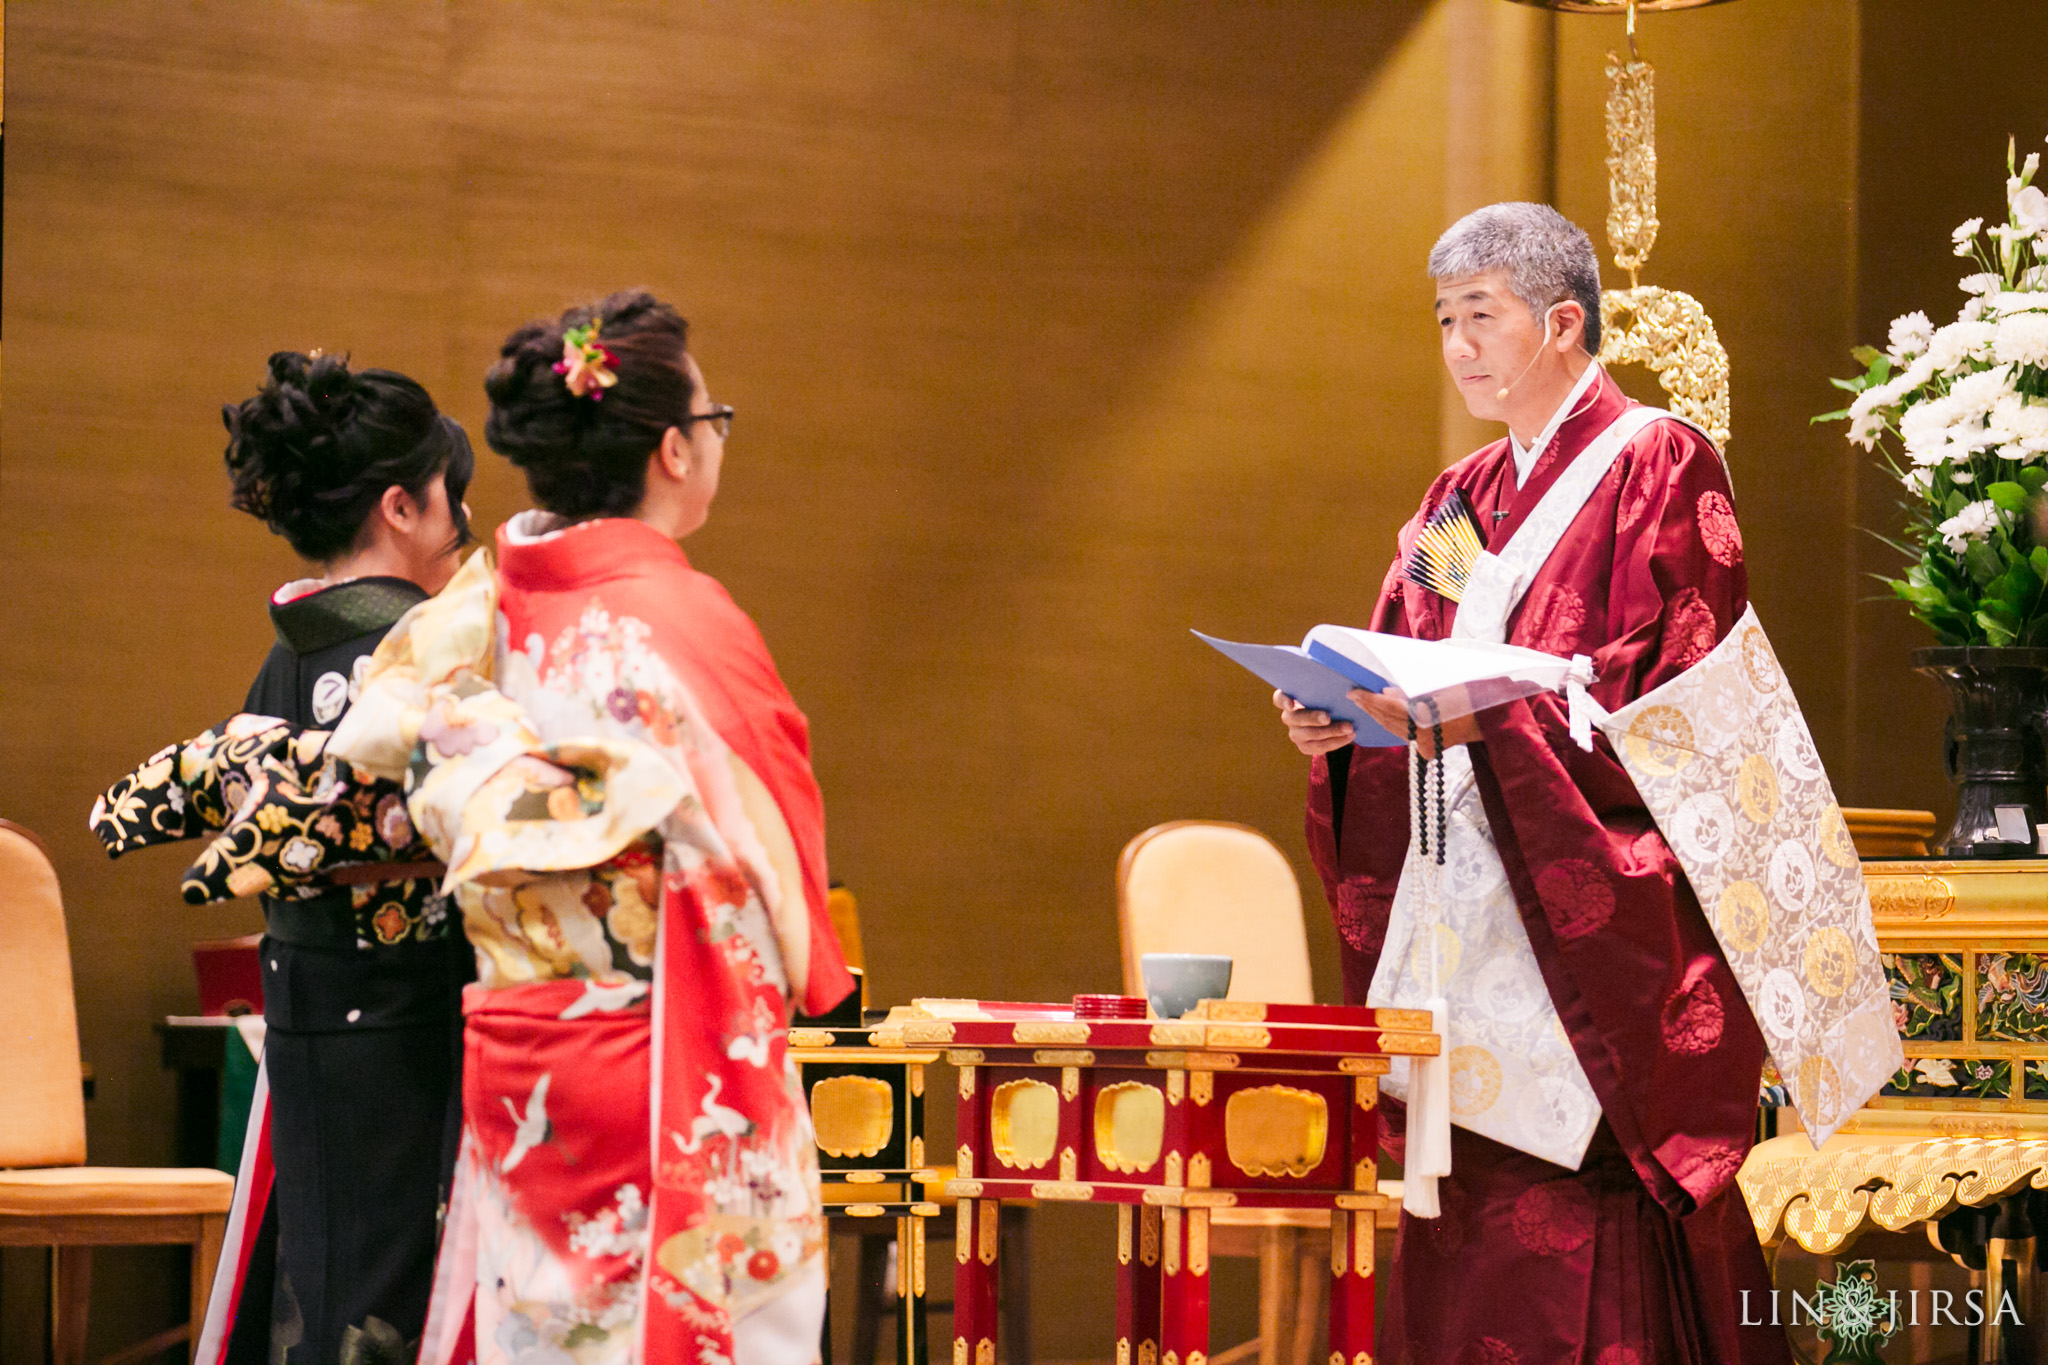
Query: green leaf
[
  {"x": 2010, "y": 497},
  {"x": 1956, "y": 503},
  {"x": 1868, "y": 356},
  {"x": 2038, "y": 562},
  {"x": 2033, "y": 478},
  {"x": 1997, "y": 634},
  {"x": 2005, "y": 613},
  {"x": 1983, "y": 561},
  {"x": 2019, "y": 594},
  {"x": 1828, "y": 417}
]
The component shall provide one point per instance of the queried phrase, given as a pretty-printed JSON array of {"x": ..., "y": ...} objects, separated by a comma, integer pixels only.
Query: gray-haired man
[{"x": 1602, "y": 1061}]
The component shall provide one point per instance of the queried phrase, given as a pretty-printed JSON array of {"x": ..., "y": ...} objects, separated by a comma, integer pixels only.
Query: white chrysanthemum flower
[
  {"x": 1909, "y": 336},
  {"x": 1964, "y": 233},
  {"x": 1932, "y": 449},
  {"x": 2030, "y": 211},
  {"x": 2022, "y": 339},
  {"x": 2008, "y": 301},
  {"x": 1877, "y": 396},
  {"x": 1962, "y": 476},
  {"x": 1957, "y": 343},
  {"x": 1864, "y": 428},
  {"x": 1936, "y": 414},
  {"x": 1919, "y": 481},
  {"x": 2030, "y": 165},
  {"x": 1916, "y": 374},
  {"x": 1928, "y": 430},
  {"x": 1983, "y": 282},
  {"x": 1975, "y": 522},
  {"x": 1974, "y": 395},
  {"x": 2029, "y": 421},
  {"x": 2021, "y": 427}
]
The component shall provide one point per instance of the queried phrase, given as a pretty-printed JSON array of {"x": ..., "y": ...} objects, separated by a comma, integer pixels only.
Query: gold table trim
[{"x": 1823, "y": 1199}]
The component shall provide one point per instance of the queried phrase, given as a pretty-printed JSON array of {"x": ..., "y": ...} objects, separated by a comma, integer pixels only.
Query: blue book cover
[{"x": 1314, "y": 680}]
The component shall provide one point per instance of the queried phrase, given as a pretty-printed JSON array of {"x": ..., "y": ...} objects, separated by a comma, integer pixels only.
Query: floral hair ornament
[{"x": 585, "y": 365}]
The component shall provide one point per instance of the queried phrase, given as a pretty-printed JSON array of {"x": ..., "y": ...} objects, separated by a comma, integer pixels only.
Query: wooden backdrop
[{"x": 1054, "y": 327}]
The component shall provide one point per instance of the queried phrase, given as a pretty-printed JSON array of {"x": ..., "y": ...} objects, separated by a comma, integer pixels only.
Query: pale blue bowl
[{"x": 1176, "y": 982}]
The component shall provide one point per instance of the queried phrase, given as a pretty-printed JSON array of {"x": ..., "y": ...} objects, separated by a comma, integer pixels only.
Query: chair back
[
  {"x": 1207, "y": 886},
  {"x": 845, "y": 913},
  {"x": 42, "y": 1122}
]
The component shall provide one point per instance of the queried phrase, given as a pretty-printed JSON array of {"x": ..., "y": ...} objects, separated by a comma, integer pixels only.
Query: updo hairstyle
[
  {"x": 587, "y": 457},
  {"x": 313, "y": 452}
]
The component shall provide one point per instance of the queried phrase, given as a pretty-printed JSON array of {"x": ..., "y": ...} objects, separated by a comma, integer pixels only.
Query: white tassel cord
[
  {"x": 1583, "y": 711},
  {"x": 1428, "y": 1126}
]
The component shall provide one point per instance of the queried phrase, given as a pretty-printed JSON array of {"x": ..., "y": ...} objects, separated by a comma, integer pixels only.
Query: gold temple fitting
[{"x": 1614, "y": 9}]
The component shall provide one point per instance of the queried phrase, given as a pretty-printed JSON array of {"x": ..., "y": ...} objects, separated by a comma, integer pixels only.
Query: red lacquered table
[{"x": 1237, "y": 1105}]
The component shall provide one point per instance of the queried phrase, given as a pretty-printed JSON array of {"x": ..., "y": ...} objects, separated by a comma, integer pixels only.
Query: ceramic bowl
[{"x": 1176, "y": 982}]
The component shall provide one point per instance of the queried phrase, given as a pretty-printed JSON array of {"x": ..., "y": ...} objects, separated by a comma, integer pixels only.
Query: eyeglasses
[{"x": 720, "y": 418}]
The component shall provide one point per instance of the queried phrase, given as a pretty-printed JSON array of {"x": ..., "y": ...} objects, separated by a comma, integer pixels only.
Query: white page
[{"x": 1459, "y": 676}]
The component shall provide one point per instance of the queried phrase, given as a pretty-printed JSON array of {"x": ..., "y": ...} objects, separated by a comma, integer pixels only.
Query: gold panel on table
[
  {"x": 1024, "y": 1123},
  {"x": 1130, "y": 1125},
  {"x": 1276, "y": 1130},
  {"x": 853, "y": 1115}
]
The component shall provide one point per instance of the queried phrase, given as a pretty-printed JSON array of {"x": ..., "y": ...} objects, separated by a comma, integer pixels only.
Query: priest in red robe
[{"x": 1644, "y": 1252}]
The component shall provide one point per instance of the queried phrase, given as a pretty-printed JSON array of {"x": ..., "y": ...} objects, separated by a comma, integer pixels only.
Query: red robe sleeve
[{"x": 735, "y": 680}]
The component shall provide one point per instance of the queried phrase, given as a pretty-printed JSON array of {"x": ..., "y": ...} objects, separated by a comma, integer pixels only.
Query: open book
[{"x": 1440, "y": 679}]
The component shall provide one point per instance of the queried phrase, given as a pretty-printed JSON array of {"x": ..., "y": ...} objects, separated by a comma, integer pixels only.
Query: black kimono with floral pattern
[{"x": 362, "y": 987}]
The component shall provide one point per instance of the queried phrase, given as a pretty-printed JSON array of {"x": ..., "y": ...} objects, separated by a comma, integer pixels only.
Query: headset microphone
[{"x": 1501, "y": 396}]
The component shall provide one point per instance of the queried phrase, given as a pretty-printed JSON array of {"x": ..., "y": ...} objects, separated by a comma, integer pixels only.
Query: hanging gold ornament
[
  {"x": 1666, "y": 330},
  {"x": 1616, "y": 6}
]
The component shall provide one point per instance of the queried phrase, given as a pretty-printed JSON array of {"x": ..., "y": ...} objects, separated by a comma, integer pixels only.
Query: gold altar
[{"x": 1957, "y": 1142}]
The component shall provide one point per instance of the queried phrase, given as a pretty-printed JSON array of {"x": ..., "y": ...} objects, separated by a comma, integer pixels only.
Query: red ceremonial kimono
[
  {"x": 638, "y": 1177},
  {"x": 1642, "y": 1254},
  {"x": 637, "y": 572}
]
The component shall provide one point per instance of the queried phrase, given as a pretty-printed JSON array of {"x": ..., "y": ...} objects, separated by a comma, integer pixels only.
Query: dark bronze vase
[{"x": 1999, "y": 704}]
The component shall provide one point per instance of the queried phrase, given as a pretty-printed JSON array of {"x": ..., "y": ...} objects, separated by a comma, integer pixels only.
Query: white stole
[{"x": 1455, "y": 942}]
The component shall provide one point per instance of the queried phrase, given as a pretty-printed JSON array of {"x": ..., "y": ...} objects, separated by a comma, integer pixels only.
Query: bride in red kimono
[
  {"x": 621, "y": 784},
  {"x": 1643, "y": 1252}
]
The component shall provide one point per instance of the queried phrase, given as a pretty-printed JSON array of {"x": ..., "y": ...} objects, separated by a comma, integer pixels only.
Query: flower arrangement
[
  {"x": 1960, "y": 414},
  {"x": 586, "y": 364}
]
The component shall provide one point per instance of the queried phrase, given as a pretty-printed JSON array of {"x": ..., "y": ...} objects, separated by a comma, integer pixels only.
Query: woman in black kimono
[{"x": 362, "y": 982}]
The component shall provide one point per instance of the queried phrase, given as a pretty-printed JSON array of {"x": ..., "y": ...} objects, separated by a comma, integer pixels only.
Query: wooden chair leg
[
  {"x": 1276, "y": 1270},
  {"x": 213, "y": 1231},
  {"x": 1310, "y": 1252},
  {"x": 70, "y": 1303}
]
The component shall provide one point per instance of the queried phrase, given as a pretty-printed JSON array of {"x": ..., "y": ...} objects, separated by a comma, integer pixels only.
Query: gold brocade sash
[{"x": 1726, "y": 766}]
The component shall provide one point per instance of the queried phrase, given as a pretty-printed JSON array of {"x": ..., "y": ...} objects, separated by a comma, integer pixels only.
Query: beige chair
[
  {"x": 48, "y": 1196},
  {"x": 1206, "y": 886}
]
